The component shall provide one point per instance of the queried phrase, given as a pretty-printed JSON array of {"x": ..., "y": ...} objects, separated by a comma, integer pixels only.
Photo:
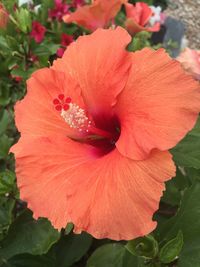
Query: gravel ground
[{"x": 188, "y": 11}]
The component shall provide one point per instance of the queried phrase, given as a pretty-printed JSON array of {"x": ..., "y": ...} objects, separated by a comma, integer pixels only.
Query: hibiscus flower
[
  {"x": 140, "y": 17},
  {"x": 97, "y": 15},
  {"x": 190, "y": 60},
  {"x": 95, "y": 130}
]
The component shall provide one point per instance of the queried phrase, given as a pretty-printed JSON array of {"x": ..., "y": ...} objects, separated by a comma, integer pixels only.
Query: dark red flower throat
[{"x": 101, "y": 130}]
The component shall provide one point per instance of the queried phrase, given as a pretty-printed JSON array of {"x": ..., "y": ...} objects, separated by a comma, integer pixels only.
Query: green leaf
[
  {"x": 4, "y": 121},
  {"x": 120, "y": 18},
  {"x": 43, "y": 11},
  {"x": 187, "y": 152},
  {"x": 112, "y": 255},
  {"x": 6, "y": 209},
  {"x": 145, "y": 246},
  {"x": 139, "y": 41},
  {"x": 175, "y": 189},
  {"x": 5, "y": 144},
  {"x": 18, "y": 72},
  {"x": 172, "y": 249},
  {"x": 7, "y": 182},
  {"x": 9, "y": 4},
  {"x": 3, "y": 44},
  {"x": 23, "y": 19},
  {"x": 149, "y": 2},
  {"x": 4, "y": 93},
  {"x": 24, "y": 74},
  {"x": 71, "y": 248},
  {"x": 28, "y": 236},
  {"x": 187, "y": 221},
  {"x": 26, "y": 260},
  {"x": 46, "y": 49},
  {"x": 192, "y": 174},
  {"x": 12, "y": 63},
  {"x": 69, "y": 228}
]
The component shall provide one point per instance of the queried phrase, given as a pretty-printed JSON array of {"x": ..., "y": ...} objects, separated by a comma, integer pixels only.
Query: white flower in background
[
  {"x": 29, "y": 3},
  {"x": 22, "y": 2},
  {"x": 184, "y": 43},
  {"x": 36, "y": 8},
  {"x": 156, "y": 15}
]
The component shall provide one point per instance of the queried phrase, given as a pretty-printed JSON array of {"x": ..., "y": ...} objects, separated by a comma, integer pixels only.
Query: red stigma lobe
[{"x": 62, "y": 103}]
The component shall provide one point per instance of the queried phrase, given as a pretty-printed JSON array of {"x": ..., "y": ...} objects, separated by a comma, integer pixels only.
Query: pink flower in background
[
  {"x": 65, "y": 41},
  {"x": 190, "y": 60},
  {"x": 38, "y": 31},
  {"x": 163, "y": 17},
  {"x": 4, "y": 16},
  {"x": 59, "y": 10},
  {"x": 139, "y": 17},
  {"x": 60, "y": 51}
]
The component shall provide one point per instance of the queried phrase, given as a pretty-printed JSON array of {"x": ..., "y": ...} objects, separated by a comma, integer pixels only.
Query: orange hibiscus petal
[
  {"x": 89, "y": 17},
  {"x": 159, "y": 105},
  {"x": 43, "y": 167},
  {"x": 36, "y": 115},
  {"x": 97, "y": 15},
  {"x": 132, "y": 12},
  {"x": 100, "y": 65},
  {"x": 145, "y": 14},
  {"x": 120, "y": 196},
  {"x": 154, "y": 28},
  {"x": 109, "y": 197},
  {"x": 111, "y": 8},
  {"x": 138, "y": 16},
  {"x": 140, "y": 12},
  {"x": 133, "y": 27}
]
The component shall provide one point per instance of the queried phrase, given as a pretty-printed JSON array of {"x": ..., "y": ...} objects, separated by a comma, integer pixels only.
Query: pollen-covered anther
[
  {"x": 76, "y": 118},
  {"x": 73, "y": 115}
]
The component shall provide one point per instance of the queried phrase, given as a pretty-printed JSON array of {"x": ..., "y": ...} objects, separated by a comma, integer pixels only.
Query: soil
[{"x": 188, "y": 11}]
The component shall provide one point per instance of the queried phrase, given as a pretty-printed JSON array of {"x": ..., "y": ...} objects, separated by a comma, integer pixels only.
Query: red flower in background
[
  {"x": 190, "y": 60},
  {"x": 65, "y": 41},
  {"x": 97, "y": 15},
  {"x": 17, "y": 78},
  {"x": 95, "y": 130},
  {"x": 138, "y": 17},
  {"x": 59, "y": 10},
  {"x": 38, "y": 31},
  {"x": 4, "y": 17},
  {"x": 60, "y": 51}
]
